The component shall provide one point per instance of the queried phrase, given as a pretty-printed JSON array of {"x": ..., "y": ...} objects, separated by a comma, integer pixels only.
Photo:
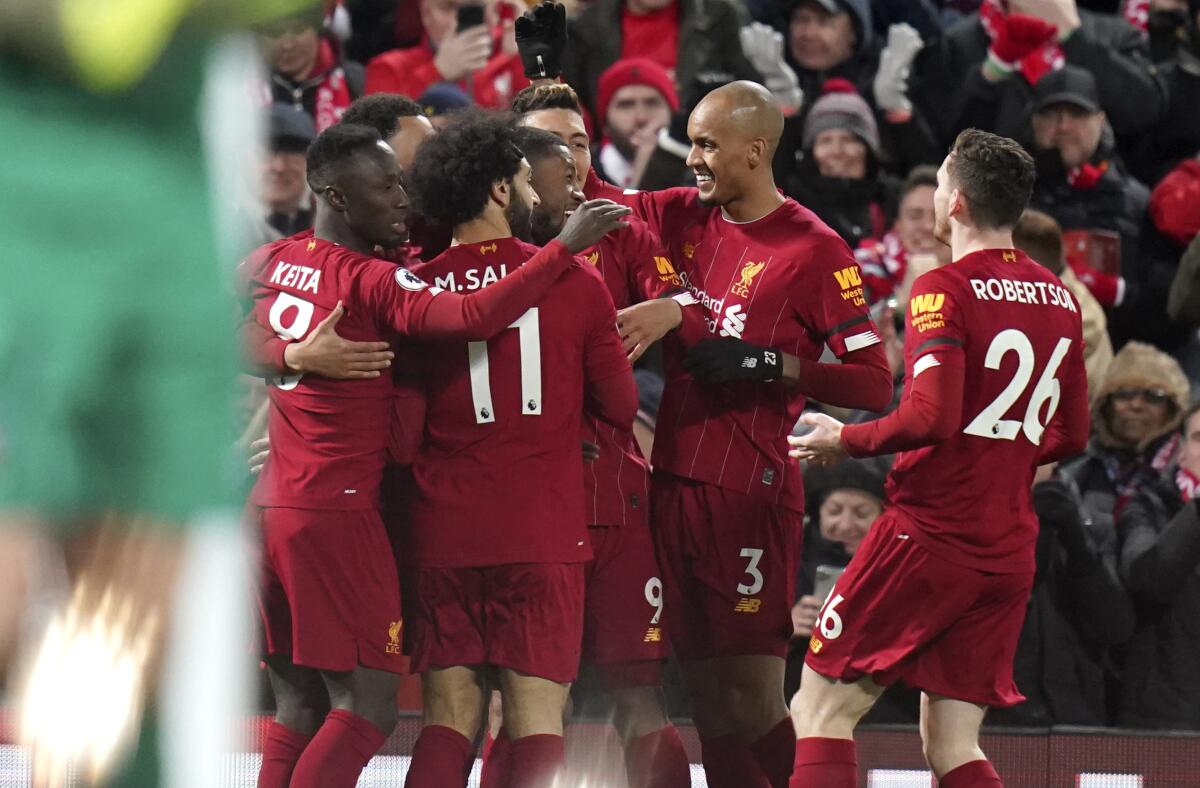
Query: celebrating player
[
  {"x": 330, "y": 592},
  {"x": 995, "y": 386},
  {"x": 494, "y": 562},
  {"x": 626, "y": 650},
  {"x": 776, "y": 285}
]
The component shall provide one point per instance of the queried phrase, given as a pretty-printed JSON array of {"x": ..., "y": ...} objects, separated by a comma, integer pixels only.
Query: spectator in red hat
[
  {"x": 635, "y": 99},
  {"x": 481, "y": 59}
]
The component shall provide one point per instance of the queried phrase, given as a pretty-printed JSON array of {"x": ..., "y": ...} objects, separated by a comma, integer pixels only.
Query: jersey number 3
[
  {"x": 529, "y": 336},
  {"x": 989, "y": 423}
]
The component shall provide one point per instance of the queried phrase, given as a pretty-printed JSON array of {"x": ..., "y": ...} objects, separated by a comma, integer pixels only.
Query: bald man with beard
[{"x": 775, "y": 286}]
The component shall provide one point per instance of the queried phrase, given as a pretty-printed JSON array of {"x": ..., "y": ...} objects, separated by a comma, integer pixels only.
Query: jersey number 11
[{"x": 529, "y": 337}]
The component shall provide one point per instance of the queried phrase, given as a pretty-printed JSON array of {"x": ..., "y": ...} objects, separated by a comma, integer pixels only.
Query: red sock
[
  {"x": 825, "y": 763},
  {"x": 441, "y": 758},
  {"x": 337, "y": 754},
  {"x": 728, "y": 763},
  {"x": 495, "y": 761},
  {"x": 658, "y": 760},
  {"x": 973, "y": 774},
  {"x": 535, "y": 761},
  {"x": 282, "y": 747},
  {"x": 774, "y": 753}
]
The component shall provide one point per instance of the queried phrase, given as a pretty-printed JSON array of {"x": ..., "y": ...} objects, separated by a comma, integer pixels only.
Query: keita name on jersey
[{"x": 300, "y": 277}]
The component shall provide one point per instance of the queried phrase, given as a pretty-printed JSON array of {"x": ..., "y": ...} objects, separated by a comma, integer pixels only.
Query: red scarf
[
  {"x": 1136, "y": 13},
  {"x": 1188, "y": 482},
  {"x": 333, "y": 94},
  {"x": 1086, "y": 175},
  {"x": 1033, "y": 66}
]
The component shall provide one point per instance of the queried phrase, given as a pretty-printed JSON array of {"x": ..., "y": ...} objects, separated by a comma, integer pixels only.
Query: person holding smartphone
[{"x": 468, "y": 43}]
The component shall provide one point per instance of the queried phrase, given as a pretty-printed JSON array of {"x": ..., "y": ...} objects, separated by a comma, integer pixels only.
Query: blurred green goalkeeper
[{"x": 117, "y": 470}]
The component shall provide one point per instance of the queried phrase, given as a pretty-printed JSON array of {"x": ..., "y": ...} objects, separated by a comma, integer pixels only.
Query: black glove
[
  {"x": 1057, "y": 508},
  {"x": 723, "y": 360},
  {"x": 541, "y": 38}
]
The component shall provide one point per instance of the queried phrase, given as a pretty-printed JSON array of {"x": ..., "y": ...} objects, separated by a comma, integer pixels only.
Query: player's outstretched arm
[
  {"x": 863, "y": 379},
  {"x": 486, "y": 312},
  {"x": 610, "y": 393},
  {"x": 929, "y": 413}
]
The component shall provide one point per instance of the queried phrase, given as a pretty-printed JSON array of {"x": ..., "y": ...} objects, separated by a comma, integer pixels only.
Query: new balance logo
[
  {"x": 749, "y": 362},
  {"x": 653, "y": 635},
  {"x": 815, "y": 645},
  {"x": 747, "y": 605}
]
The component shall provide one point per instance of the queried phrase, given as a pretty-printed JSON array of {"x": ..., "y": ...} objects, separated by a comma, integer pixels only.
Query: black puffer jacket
[
  {"x": 1117, "y": 202},
  {"x": 946, "y": 74},
  {"x": 1078, "y": 609},
  {"x": 1160, "y": 564}
]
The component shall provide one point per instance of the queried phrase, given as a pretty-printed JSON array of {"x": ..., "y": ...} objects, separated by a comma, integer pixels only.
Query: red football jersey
[
  {"x": 785, "y": 281},
  {"x": 329, "y": 438},
  {"x": 1017, "y": 331},
  {"x": 635, "y": 268},
  {"x": 499, "y": 477}
]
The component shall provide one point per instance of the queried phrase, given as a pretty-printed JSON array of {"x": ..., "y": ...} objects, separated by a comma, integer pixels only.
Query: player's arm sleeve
[
  {"x": 408, "y": 421},
  {"x": 652, "y": 274},
  {"x": 833, "y": 305},
  {"x": 931, "y": 409},
  {"x": 1067, "y": 433},
  {"x": 654, "y": 208},
  {"x": 610, "y": 393},
  {"x": 415, "y": 309},
  {"x": 262, "y": 349}
]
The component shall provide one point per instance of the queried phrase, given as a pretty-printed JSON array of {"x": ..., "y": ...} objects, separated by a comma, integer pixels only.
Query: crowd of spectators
[{"x": 1105, "y": 94}]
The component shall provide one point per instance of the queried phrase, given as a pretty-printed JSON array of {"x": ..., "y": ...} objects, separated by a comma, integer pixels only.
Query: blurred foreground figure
[{"x": 119, "y": 545}]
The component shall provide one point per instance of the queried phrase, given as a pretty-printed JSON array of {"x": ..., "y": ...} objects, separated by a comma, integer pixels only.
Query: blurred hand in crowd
[{"x": 804, "y": 616}]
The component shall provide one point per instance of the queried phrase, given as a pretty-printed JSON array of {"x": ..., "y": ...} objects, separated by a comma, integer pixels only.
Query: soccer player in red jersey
[
  {"x": 329, "y": 595},
  {"x": 995, "y": 386},
  {"x": 623, "y": 639},
  {"x": 497, "y": 545},
  {"x": 777, "y": 286}
]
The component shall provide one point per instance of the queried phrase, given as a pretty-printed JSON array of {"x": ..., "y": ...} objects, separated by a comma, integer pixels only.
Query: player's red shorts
[
  {"x": 899, "y": 612},
  {"x": 728, "y": 565},
  {"x": 330, "y": 595},
  {"x": 527, "y": 617},
  {"x": 622, "y": 629}
]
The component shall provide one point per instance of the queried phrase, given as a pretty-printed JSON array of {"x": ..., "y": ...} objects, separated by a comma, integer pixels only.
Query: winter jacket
[
  {"x": 326, "y": 94},
  {"x": 1117, "y": 202},
  {"x": 708, "y": 41},
  {"x": 1077, "y": 610},
  {"x": 947, "y": 83},
  {"x": 411, "y": 71},
  {"x": 1108, "y": 473},
  {"x": 856, "y": 209},
  {"x": 1160, "y": 564}
]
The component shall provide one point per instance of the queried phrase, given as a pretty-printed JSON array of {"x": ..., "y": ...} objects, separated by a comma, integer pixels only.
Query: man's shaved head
[
  {"x": 749, "y": 108},
  {"x": 735, "y": 130}
]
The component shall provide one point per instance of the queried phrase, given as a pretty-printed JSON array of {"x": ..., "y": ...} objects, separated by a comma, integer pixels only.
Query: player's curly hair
[
  {"x": 454, "y": 170},
  {"x": 550, "y": 96},
  {"x": 333, "y": 148},
  {"x": 996, "y": 175},
  {"x": 381, "y": 111}
]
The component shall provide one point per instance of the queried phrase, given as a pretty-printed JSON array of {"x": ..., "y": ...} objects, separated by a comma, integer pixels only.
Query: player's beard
[{"x": 520, "y": 219}]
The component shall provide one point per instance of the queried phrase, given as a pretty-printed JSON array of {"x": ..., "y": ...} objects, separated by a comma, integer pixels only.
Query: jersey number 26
[{"x": 990, "y": 422}]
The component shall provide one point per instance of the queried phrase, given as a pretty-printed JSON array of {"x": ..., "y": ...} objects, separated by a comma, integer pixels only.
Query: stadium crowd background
[{"x": 1104, "y": 95}]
